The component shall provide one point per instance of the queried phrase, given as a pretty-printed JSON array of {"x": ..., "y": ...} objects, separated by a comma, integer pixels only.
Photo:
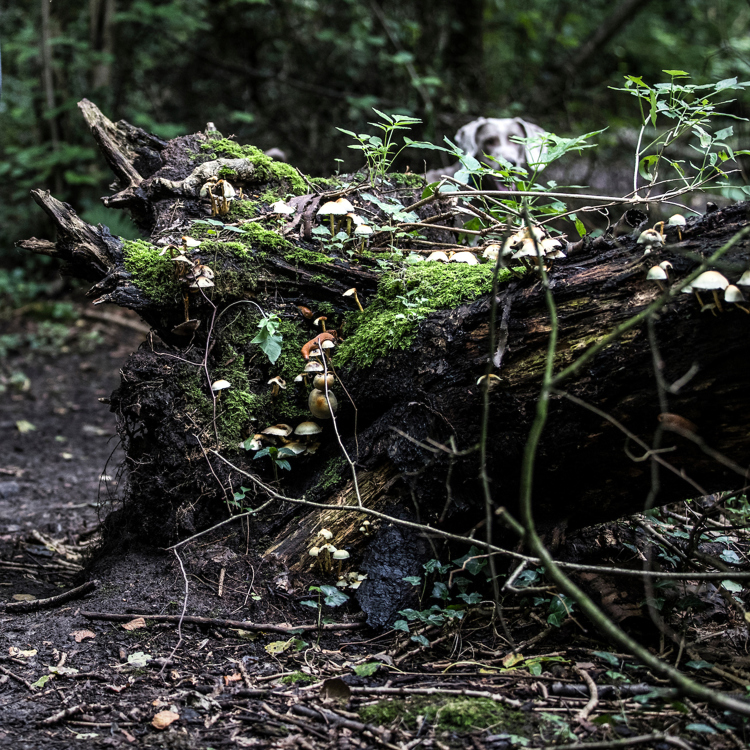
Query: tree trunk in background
[
  {"x": 412, "y": 397},
  {"x": 101, "y": 38}
]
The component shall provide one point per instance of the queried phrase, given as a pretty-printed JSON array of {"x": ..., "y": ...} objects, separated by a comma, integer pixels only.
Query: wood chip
[
  {"x": 163, "y": 719},
  {"x": 139, "y": 622},
  {"x": 82, "y": 635}
]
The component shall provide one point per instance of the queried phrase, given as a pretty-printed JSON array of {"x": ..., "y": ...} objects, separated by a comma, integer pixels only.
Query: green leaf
[
  {"x": 284, "y": 465},
  {"x": 42, "y": 681},
  {"x": 334, "y": 597},
  {"x": 401, "y": 625},
  {"x": 732, "y": 586},
  {"x": 580, "y": 228},
  {"x": 609, "y": 658},
  {"x": 699, "y": 727},
  {"x": 421, "y": 640},
  {"x": 366, "y": 670},
  {"x": 678, "y": 73},
  {"x": 309, "y": 603},
  {"x": 413, "y": 580},
  {"x": 699, "y": 664}
]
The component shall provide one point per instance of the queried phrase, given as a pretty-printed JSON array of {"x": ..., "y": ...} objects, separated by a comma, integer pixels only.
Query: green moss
[
  {"x": 391, "y": 320},
  {"x": 255, "y": 235},
  {"x": 298, "y": 678},
  {"x": 268, "y": 170},
  {"x": 227, "y": 173},
  {"x": 325, "y": 308},
  {"x": 299, "y": 255},
  {"x": 333, "y": 474},
  {"x": 152, "y": 273},
  {"x": 322, "y": 279},
  {"x": 326, "y": 183},
  {"x": 410, "y": 180},
  {"x": 244, "y": 209},
  {"x": 460, "y": 714}
]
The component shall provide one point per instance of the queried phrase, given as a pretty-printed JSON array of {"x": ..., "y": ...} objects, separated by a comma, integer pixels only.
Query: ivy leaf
[
  {"x": 333, "y": 597},
  {"x": 366, "y": 670}
]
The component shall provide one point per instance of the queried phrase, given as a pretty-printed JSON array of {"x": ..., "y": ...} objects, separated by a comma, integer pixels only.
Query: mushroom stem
[
  {"x": 359, "y": 304},
  {"x": 186, "y": 304},
  {"x": 214, "y": 206},
  {"x": 698, "y": 297},
  {"x": 718, "y": 301},
  {"x": 274, "y": 390},
  {"x": 333, "y": 232},
  {"x": 744, "y": 309}
]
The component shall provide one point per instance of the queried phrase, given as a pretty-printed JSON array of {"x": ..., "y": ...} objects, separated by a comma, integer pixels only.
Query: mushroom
[
  {"x": 320, "y": 381},
  {"x": 320, "y": 321},
  {"x": 657, "y": 274},
  {"x": 710, "y": 280},
  {"x": 301, "y": 378},
  {"x": 190, "y": 242},
  {"x": 307, "y": 349},
  {"x": 331, "y": 209},
  {"x": 676, "y": 220},
  {"x": 295, "y": 447},
  {"x": 734, "y": 296},
  {"x": 318, "y": 405},
  {"x": 312, "y": 447},
  {"x": 278, "y": 430},
  {"x": 363, "y": 231},
  {"x": 186, "y": 328},
  {"x": 353, "y": 293},
  {"x": 219, "y": 386},
  {"x": 650, "y": 238},
  {"x": 254, "y": 443},
  {"x": 314, "y": 367},
  {"x": 281, "y": 209},
  {"x": 326, "y": 534},
  {"x": 465, "y": 257},
  {"x": 276, "y": 384},
  {"x": 744, "y": 279},
  {"x": 438, "y": 255},
  {"x": 340, "y": 555},
  {"x": 305, "y": 429},
  {"x": 490, "y": 252}
]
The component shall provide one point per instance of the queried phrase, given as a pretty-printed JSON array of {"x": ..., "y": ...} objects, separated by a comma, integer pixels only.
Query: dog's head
[{"x": 491, "y": 137}]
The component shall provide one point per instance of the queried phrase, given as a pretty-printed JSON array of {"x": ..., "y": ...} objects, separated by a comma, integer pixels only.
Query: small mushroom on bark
[
  {"x": 711, "y": 281},
  {"x": 276, "y": 384},
  {"x": 353, "y": 293},
  {"x": 318, "y": 405}
]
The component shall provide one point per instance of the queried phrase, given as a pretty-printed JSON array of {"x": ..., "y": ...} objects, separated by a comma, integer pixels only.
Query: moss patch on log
[
  {"x": 151, "y": 272},
  {"x": 268, "y": 170},
  {"x": 391, "y": 320}
]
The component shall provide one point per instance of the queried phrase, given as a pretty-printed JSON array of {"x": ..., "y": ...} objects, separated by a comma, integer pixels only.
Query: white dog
[{"x": 490, "y": 137}]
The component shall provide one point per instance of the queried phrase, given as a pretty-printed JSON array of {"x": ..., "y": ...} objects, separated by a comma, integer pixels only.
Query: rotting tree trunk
[{"x": 419, "y": 378}]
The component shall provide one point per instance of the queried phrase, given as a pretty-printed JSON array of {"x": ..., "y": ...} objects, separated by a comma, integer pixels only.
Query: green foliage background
[{"x": 286, "y": 72}]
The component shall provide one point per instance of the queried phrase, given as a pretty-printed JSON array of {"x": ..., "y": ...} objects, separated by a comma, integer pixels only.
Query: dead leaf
[
  {"x": 163, "y": 719},
  {"x": 23, "y": 426},
  {"x": 512, "y": 659},
  {"x": 19, "y": 654},
  {"x": 335, "y": 689},
  {"x": 23, "y": 597},
  {"x": 236, "y": 677},
  {"x": 129, "y": 737},
  {"x": 135, "y": 624},
  {"x": 82, "y": 635},
  {"x": 278, "y": 647}
]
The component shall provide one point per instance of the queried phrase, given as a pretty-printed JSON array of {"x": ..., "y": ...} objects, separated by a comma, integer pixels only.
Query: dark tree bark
[{"x": 412, "y": 400}]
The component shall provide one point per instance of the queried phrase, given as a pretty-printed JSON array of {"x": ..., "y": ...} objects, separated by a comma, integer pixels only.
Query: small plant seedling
[{"x": 277, "y": 458}]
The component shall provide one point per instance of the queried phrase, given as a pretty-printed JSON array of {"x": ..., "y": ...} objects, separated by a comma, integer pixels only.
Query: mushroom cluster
[
  {"x": 326, "y": 554},
  {"x": 715, "y": 282},
  {"x": 220, "y": 193},
  {"x": 297, "y": 440},
  {"x": 341, "y": 215},
  {"x": 526, "y": 246}
]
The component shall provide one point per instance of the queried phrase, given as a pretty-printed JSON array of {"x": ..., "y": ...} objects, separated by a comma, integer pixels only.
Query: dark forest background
[{"x": 285, "y": 73}]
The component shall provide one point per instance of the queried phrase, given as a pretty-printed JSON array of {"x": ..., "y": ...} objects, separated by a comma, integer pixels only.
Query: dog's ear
[
  {"x": 466, "y": 138},
  {"x": 535, "y": 153}
]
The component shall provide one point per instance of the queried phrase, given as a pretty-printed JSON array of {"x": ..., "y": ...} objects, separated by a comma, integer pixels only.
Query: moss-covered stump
[{"x": 409, "y": 407}]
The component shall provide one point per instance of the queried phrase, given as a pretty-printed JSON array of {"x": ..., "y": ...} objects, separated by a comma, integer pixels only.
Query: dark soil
[{"x": 69, "y": 679}]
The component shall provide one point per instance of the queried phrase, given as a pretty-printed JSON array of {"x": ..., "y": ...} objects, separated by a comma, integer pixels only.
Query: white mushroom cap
[
  {"x": 329, "y": 547},
  {"x": 438, "y": 255},
  {"x": 204, "y": 271},
  {"x": 308, "y": 428},
  {"x": 342, "y": 584},
  {"x": 656, "y": 273},
  {"x": 710, "y": 280},
  {"x": 529, "y": 247},
  {"x": 350, "y": 292},
  {"x": 220, "y": 385},
  {"x": 280, "y": 430},
  {"x": 319, "y": 381},
  {"x": 326, "y": 534},
  {"x": 491, "y": 252},
  {"x": 551, "y": 245},
  {"x": 317, "y": 404},
  {"x": 295, "y": 447},
  {"x": 227, "y": 190},
  {"x": 344, "y": 203},
  {"x": 650, "y": 237},
  {"x": 357, "y": 220},
  {"x": 314, "y": 551},
  {"x": 182, "y": 259},
  {"x": 555, "y": 254},
  {"x": 363, "y": 230},
  {"x": 328, "y": 344},
  {"x": 340, "y": 554},
  {"x": 254, "y": 444},
  {"x": 331, "y": 208},
  {"x": 665, "y": 265},
  {"x": 733, "y": 294},
  {"x": 465, "y": 257},
  {"x": 300, "y": 377},
  {"x": 278, "y": 381},
  {"x": 314, "y": 367},
  {"x": 281, "y": 208},
  {"x": 201, "y": 283},
  {"x": 677, "y": 220},
  {"x": 744, "y": 279},
  {"x": 190, "y": 242}
]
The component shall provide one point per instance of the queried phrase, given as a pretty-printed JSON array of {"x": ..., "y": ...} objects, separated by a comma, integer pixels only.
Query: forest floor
[{"x": 276, "y": 677}]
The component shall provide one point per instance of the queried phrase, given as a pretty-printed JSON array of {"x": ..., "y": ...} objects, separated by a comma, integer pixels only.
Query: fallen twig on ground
[{"x": 52, "y": 601}]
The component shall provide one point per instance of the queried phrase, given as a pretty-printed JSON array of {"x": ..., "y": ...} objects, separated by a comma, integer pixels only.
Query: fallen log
[{"x": 407, "y": 365}]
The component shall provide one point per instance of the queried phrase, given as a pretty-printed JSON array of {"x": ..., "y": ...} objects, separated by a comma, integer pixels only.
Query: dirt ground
[{"x": 282, "y": 673}]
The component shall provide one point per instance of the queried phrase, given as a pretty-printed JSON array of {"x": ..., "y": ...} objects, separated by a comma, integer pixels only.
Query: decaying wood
[{"x": 416, "y": 412}]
